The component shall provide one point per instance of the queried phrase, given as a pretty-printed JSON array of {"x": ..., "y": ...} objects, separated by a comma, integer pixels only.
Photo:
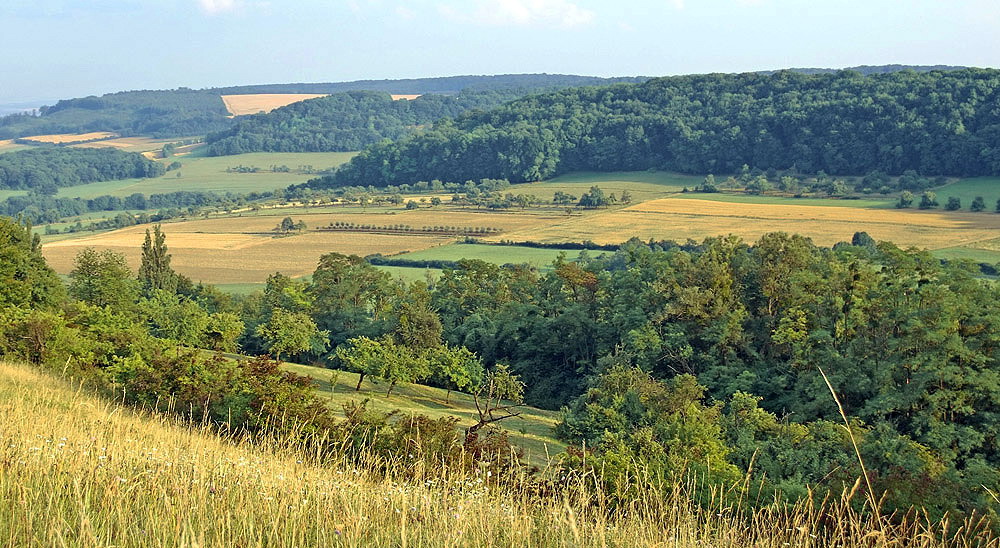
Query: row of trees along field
[
  {"x": 935, "y": 123},
  {"x": 45, "y": 170},
  {"x": 709, "y": 359}
]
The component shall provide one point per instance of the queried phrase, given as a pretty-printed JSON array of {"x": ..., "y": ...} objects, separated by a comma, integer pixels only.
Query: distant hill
[
  {"x": 876, "y": 69},
  {"x": 185, "y": 112}
]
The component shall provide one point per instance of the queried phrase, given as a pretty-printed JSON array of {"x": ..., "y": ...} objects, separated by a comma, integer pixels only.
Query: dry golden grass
[
  {"x": 679, "y": 219},
  {"x": 79, "y": 470},
  {"x": 241, "y": 105},
  {"x": 402, "y": 96},
  {"x": 66, "y": 138}
]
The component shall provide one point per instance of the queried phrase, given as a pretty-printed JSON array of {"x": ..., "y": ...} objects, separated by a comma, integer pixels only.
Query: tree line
[
  {"x": 45, "y": 170},
  {"x": 934, "y": 123}
]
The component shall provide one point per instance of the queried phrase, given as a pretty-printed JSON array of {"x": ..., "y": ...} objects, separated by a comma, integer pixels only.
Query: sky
[{"x": 55, "y": 49}]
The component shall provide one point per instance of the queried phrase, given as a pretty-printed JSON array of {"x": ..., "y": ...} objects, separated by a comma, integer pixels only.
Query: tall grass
[{"x": 80, "y": 470}]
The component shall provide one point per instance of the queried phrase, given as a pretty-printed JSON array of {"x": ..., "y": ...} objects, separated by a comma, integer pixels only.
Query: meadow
[
  {"x": 496, "y": 254},
  {"x": 203, "y": 173}
]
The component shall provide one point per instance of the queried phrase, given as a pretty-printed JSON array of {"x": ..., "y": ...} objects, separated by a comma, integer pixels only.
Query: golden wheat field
[
  {"x": 242, "y": 105},
  {"x": 404, "y": 96},
  {"x": 67, "y": 138},
  {"x": 132, "y": 144},
  {"x": 679, "y": 219},
  {"x": 231, "y": 257},
  {"x": 244, "y": 249}
]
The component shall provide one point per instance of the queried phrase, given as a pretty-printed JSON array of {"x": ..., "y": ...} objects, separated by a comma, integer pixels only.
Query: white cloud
[
  {"x": 213, "y": 7},
  {"x": 560, "y": 13}
]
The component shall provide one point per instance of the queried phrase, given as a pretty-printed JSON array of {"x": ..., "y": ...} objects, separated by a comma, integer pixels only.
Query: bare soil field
[
  {"x": 679, "y": 219},
  {"x": 242, "y": 105},
  {"x": 68, "y": 138}
]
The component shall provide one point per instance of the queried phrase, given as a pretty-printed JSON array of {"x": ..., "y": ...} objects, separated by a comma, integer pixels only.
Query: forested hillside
[
  {"x": 44, "y": 170},
  {"x": 936, "y": 123},
  {"x": 347, "y": 121},
  {"x": 167, "y": 113}
]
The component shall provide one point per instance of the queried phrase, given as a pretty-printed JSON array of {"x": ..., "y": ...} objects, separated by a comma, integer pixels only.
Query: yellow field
[
  {"x": 66, "y": 138},
  {"x": 243, "y": 249},
  {"x": 401, "y": 96},
  {"x": 132, "y": 144},
  {"x": 679, "y": 219},
  {"x": 242, "y": 105}
]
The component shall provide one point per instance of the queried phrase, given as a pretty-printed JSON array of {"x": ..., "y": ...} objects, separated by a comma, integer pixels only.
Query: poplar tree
[{"x": 154, "y": 271}]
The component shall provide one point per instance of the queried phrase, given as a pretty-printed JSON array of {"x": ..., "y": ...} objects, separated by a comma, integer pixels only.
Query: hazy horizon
[{"x": 64, "y": 48}]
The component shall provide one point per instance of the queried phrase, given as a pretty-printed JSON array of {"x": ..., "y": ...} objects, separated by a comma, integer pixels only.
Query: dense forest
[
  {"x": 934, "y": 123},
  {"x": 710, "y": 358},
  {"x": 347, "y": 121},
  {"x": 44, "y": 170}
]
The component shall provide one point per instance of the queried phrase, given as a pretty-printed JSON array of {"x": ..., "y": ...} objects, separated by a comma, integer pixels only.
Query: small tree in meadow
[{"x": 978, "y": 204}]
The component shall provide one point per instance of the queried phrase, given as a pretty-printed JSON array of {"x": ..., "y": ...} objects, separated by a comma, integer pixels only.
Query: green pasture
[
  {"x": 203, "y": 173},
  {"x": 496, "y": 254},
  {"x": 966, "y": 190}
]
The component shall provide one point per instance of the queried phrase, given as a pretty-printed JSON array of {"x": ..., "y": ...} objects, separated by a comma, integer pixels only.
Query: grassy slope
[
  {"x": 531, "y": 431},
  {"x": 77, "y": 470}
]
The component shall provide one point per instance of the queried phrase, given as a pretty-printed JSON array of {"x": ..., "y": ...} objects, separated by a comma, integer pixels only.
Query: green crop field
[
  {"x": 966, "y": 190},
  {"x": 643, "y": 185},
  {"x": 201, "y": 173},
  {"x": 739, "y": 198},
  {"x": 532, "y": 430},
  {"x": 497, "y": 254}
]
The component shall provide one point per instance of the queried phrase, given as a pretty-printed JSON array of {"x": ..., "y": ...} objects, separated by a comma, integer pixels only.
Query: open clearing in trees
[{"x": 242, "y": 105}]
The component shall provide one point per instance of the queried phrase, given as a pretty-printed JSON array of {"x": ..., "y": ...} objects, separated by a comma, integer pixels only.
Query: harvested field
[
  {"x": 134, "y": 144},
  {"x": 218, "y": 257},
  {"x": 242, "y": 105},
  {"x": 679, "y": 219},
  {"x": 402, "y": 96},
  {"x": 68, "y": 138}
]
